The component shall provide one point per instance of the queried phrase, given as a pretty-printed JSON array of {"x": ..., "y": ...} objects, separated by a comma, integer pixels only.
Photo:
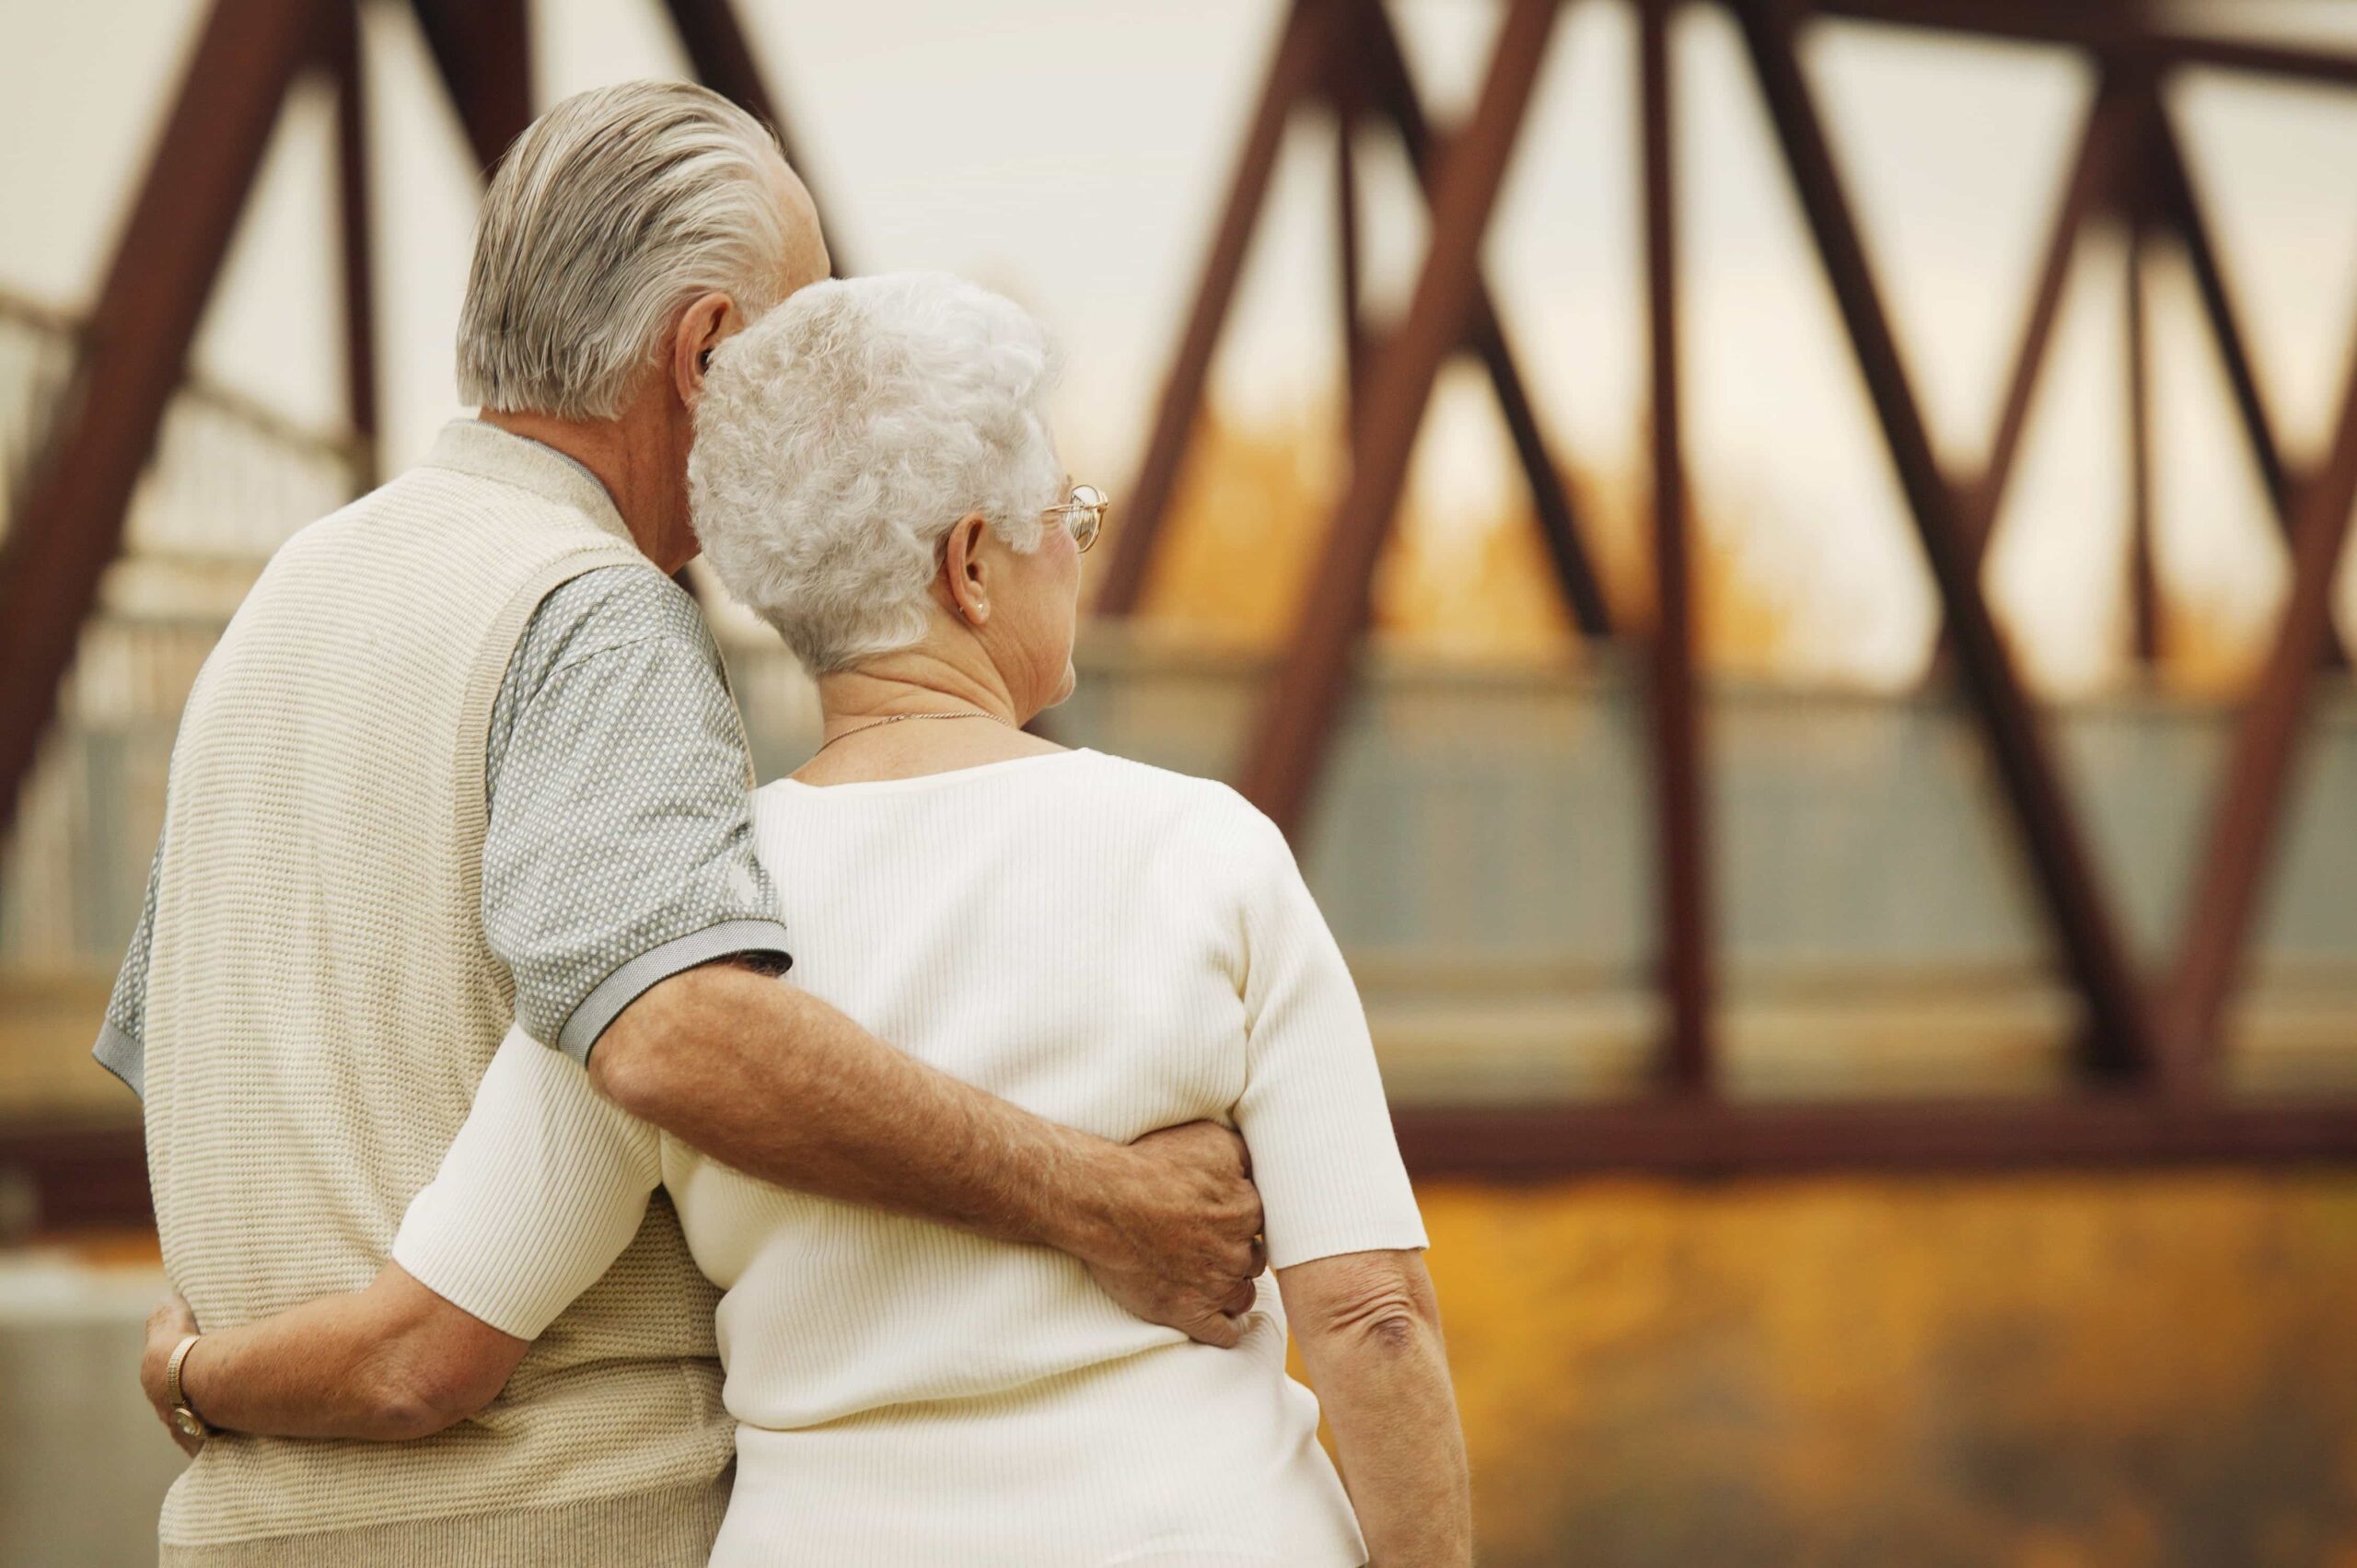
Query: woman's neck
[{"x": 875, "y": 726}]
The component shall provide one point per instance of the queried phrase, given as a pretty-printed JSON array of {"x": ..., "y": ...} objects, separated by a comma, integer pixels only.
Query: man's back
[{"x": 321, "y": 1000}]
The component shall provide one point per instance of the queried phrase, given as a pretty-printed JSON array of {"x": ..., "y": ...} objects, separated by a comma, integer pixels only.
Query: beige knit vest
[{"x": 321, "y": 1005}]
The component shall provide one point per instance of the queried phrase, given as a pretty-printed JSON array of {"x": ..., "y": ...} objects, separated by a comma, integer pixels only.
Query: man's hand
[
  {"x": 167, "y": 1326},
  {"x": 1178, "y": 1240}
]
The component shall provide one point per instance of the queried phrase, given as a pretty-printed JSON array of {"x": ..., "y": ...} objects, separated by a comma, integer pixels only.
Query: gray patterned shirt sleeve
[
  {"x": 122, "y": 1038},
  {"x": 619, "y": 849}
]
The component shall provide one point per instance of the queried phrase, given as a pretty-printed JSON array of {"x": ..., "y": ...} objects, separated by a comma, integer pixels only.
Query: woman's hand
[{"x": 167, "y": 1326}]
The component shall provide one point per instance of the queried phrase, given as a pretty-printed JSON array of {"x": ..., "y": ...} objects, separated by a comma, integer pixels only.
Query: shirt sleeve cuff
[
  {"x": 1405, "y": 1233},
  {"x": 120, "y": 1054},
  {"x": 630, "y": 982}
]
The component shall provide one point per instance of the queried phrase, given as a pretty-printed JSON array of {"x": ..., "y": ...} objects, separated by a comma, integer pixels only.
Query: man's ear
[
  {"x": 701, "y": 326},
  {"x": 962, "y": 572}
]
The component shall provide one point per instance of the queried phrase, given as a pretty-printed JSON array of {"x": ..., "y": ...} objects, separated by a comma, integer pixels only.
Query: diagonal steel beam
[
  {"x": 2104, "y": 151},
  {"x": 2119, "y": 1041},
  {"x": 2143, "y": 583},
  {"x": 156, "y": 283},
  {"x": 2251, "y": 802},
  {"x": 342, "y": 61},
  {"x": 724, "y": 60},
  {"x": 1346, "y": 95},
  {"x": 1295, "y": 71},
  {"x": 2179, "y": 206},
  {"x": 484, "y": 51},
  {"x": 2172, "y": 185},
  {"x": 1290, "y": 742},
  {"x": 1394, "y": 90}
]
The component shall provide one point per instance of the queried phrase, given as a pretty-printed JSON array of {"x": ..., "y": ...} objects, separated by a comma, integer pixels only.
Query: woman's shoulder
[
  {"x": 1205, "y": 812},
  {"x": 1169, "y": 809}
]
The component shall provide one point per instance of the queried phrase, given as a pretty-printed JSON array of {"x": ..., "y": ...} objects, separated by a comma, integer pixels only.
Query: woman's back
[{"x": 1119, "y": 949}]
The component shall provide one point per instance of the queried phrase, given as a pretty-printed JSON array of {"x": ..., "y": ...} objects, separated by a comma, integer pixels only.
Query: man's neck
[{"x": 602, "y": 447}]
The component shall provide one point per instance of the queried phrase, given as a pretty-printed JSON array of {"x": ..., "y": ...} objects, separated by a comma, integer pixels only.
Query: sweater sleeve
[
  {"x": 545, "y": 1186},
  {"x": 1312, "y": 1112}
]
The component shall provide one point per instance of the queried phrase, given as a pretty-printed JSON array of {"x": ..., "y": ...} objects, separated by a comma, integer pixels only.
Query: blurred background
[{"x": 1781, "y": 564}]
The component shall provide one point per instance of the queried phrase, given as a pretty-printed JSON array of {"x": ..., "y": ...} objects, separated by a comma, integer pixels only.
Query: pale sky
[{"x": 1073, "y": 153}]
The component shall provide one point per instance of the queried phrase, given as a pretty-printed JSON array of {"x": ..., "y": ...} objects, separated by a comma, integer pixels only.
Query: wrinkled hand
[
  {"x": 1181, "y": 1243},
  {"x": 167, "y": 1326}
]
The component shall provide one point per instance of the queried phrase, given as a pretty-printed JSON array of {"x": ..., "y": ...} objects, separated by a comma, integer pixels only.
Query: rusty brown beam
[
  {"x": 1709, "y": 1139},
  {"x": 2104, "y": 148},
  {"x": 2103, "y": 24},
  {"x": 1295, "y": 69},
  {"x": 2177, "y": 206},
  {"x": 72, "y": 1178},
  {"x": 2143, "y": 581},
  {"x": 2254, "y": 799},
  {"x": 723, "y": 59},
  {"x": 2253, "y": 58},
  {"x": 2118, "y": 1038},
  {"x": 2173, "y": 187},
  {"x": 2118, "y": 29},
  {"x": 95, "y": 1177},
  {"x": 158, "y": 281},
  {"x": 1550, "y": 500},
  {"x": 1347, "y": 247},
  {"x": 340, "y": 59},
  {"x": 482, "y": 50},
  {"x": 1289, "y": 744},
  {"x": 1394, "y": 90},
  {"x": 1680, "y": 817}
]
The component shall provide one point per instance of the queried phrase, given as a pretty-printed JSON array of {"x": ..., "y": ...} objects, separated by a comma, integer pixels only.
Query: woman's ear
[
  {"x": 702, "y": 324},
  {"x": 963, "y": 575}
]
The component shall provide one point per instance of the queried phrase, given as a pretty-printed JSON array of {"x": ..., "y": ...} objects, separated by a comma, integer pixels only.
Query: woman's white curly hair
[{"x": 840, "y": 436}]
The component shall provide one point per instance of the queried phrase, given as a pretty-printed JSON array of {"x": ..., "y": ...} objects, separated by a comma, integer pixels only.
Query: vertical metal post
[{"x": 1680, "y": 812}]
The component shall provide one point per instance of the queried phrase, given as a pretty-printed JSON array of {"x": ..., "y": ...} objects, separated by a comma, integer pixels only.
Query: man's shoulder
[
  {"x": 450, "y": 531},
  {"x": 609, "y": 608}
]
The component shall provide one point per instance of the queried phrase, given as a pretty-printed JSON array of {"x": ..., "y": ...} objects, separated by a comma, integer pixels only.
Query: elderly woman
[{"x": 1104, "y": 944}]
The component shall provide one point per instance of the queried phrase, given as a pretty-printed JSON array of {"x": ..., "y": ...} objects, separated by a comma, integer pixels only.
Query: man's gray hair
[
  {"x": 840, "y": 437},
  {"x": 610, "y": 212}
]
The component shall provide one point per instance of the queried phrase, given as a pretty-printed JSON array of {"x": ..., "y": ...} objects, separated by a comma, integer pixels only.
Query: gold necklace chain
[{"x": 903, "y": 718}]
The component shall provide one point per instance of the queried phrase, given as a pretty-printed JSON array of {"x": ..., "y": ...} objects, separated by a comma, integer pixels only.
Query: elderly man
[{"x": 467, "y": 753}]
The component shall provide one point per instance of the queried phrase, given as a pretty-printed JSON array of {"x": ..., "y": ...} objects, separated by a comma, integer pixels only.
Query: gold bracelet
[{"x": 184, "y": 1414}]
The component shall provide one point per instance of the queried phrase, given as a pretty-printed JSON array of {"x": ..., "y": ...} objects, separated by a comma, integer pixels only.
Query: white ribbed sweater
[
  {"x": 1111, "y": 945},
  {"x": 321, "y": 1007}
]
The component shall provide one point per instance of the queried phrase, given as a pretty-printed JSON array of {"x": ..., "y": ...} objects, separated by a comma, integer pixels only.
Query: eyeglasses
[{"x": 1084, "y": 514}]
